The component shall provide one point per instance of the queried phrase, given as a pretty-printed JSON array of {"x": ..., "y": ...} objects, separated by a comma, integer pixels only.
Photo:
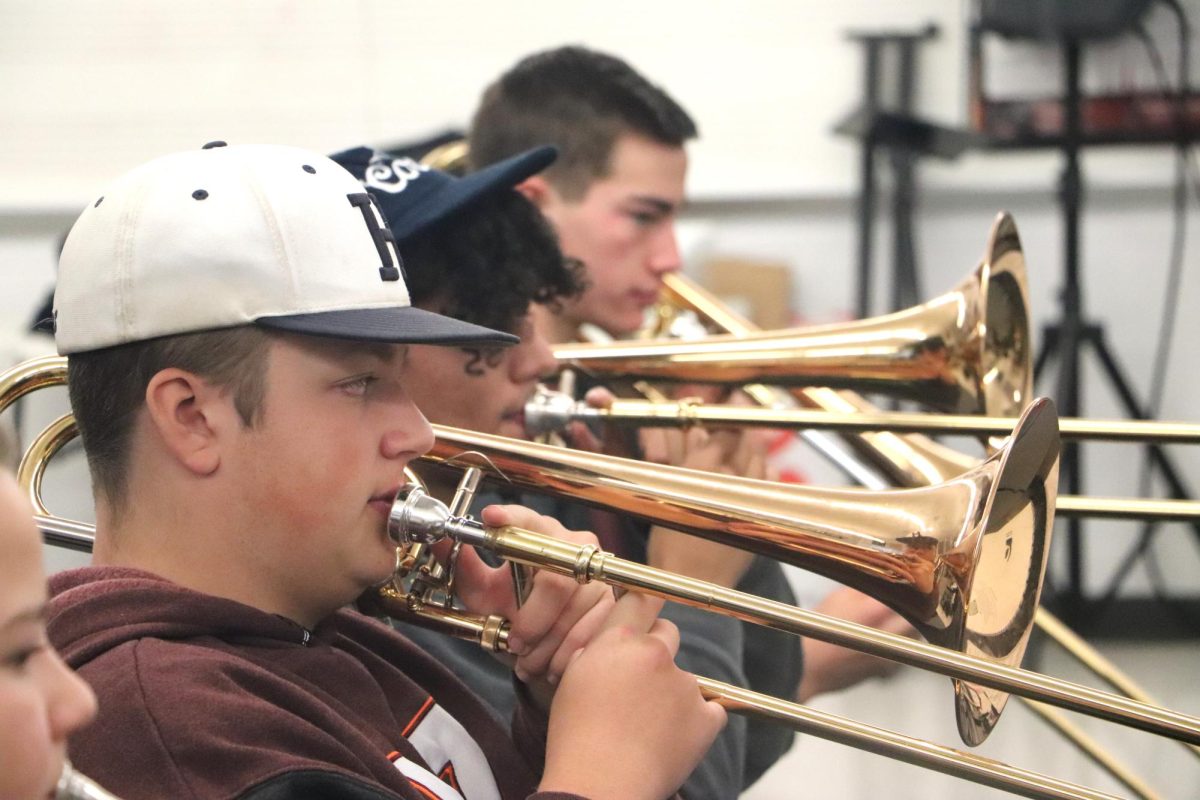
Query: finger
[
  {"x": 553, "y": 661},
  {"x": 654, "y": 445},
  {"x": 548, "y": 598},
  {"x": 726, "y": 440},
  {"x": 495, "y": 516},
  {"x": 667, "y": 632},
  {"x": 740, "y": 398},
  {"x": 750, "y": 459},
  {"x": 599, "y": 397},
  {"x": 680, "y": 443},
  {"x": 636, "y": 612},
  {"x": 580, "y": 437},
  {"x": 589, "y": 627},
  {"x": 564, "y": 610},
  {"x": 716, "y": 716}
]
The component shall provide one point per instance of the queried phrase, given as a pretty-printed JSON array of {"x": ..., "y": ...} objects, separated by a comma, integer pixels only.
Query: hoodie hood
[
  {"x": 97, "y": 609},
  {"x": 191, "y": 681}
]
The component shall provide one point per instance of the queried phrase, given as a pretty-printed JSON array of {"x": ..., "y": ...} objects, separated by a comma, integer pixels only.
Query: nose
[
  {"x": 71, "y": 702},
  {"x": 409, "y": 434},
  {"x": 664, "y": 255},
  {"x": 532, "y": 358}
]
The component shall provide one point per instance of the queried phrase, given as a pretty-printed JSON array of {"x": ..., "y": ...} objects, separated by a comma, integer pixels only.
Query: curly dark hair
[
  {"x": 487, "y": 264},
  {"x": 580, "y": 101}
]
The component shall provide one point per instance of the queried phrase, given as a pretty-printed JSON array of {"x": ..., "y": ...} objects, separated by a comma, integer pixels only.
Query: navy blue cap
[{"x": 413, "y": 196}]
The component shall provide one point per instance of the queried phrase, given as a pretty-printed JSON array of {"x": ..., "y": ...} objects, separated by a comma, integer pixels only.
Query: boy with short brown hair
[{"x": 239, "y": 510}]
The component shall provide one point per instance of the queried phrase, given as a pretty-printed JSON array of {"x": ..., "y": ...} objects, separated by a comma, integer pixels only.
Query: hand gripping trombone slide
[
  {"x": 533, "y": 549},
  {"x": 418, "y": 519}
]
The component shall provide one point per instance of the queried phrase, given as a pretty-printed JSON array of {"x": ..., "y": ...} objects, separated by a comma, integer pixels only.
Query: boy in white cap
[{"x": 236, "y": 321}]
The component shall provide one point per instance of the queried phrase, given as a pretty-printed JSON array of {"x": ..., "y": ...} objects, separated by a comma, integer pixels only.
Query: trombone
[
  {"x": 910, "y": 459},
  {"x": 966, "y": 351},
  {"x": 903, "y": 460},
  {"x": 1003, "y": 515},
  {"x": 549, "y": 411}
]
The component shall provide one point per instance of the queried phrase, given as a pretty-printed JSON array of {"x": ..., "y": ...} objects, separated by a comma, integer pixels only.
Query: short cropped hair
[
  {"x": 108, "y": 387},
  {"x": 487, "y": 264},
  {"x": 579, "y": 100}
]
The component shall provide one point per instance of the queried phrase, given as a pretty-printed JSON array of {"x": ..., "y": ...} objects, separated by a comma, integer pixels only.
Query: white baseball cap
[{"x": 274, "y": 236}]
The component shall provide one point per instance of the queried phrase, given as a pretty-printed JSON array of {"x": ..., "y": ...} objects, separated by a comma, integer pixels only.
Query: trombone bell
[
  {"x": 962, "y": 561},
  {"x": 965, "y": 352}
]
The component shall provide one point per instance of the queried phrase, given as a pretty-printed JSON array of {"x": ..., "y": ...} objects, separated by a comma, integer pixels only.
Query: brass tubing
[
  {"x": 685, "y": 414},
  {"x": 587, "y": 563},
  {"x": 548, "y": 410},
  {"x": 1070, "y": 641},
  {"x": 1092, "y": 749},
  {"x": 907, "y": 460},
  {"x": 891, "y": 744},
  {"x": 1134, "y": 508},
  {"x": 77, "y": 536},
  {"x": 965, "y": 351},
  {"x": 914, "y": 460},
  {"x": 29, "y": 376},
  {"x": 491, "y": 633}
]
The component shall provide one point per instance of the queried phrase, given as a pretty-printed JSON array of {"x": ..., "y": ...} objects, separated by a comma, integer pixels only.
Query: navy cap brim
[
  {"x": 460, "y": 193},
  {"x": 422, "y": 202},
  {"x": 395, "y": 325}
]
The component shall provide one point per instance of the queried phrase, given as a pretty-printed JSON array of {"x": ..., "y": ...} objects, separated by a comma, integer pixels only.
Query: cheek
[
  {"x": 29, "y": 760},
  {"x": 471, "y": 405},
  {"x": 323, "y": 462}
]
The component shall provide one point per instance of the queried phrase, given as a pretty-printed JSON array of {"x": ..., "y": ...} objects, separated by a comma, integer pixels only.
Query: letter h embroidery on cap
[{"x": 385, "y": 241}]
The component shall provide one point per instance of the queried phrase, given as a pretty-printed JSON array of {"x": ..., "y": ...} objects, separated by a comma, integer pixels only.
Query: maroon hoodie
[{"x": 203, "y": 697}]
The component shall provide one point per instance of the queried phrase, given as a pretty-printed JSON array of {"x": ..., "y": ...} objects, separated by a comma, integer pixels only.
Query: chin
[
  {"x": 626, "y": 326},
  {"x": 512, "y": 430}
]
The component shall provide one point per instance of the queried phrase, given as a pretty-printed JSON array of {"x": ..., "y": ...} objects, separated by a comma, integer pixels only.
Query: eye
[
  {"x": 357, "y": 386},
  {"x": 19, "y": 659},
  {"x": 644, "y": 219}
]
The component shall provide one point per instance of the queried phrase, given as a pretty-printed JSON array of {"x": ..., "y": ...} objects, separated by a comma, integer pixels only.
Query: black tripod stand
[{"x": 1065, "y": 340}]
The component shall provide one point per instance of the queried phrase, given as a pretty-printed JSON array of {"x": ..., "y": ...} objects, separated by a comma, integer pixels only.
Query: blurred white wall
[{"x": 89, "y": 90}]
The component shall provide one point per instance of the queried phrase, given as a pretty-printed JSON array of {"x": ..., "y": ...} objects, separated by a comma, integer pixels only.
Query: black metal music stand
[
  {"x": 885, "y": 122},
  {"x": 1066, "y": 339}
]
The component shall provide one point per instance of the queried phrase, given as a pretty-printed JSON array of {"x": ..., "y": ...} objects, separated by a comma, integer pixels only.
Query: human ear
[
  {"x": 538, "y": 191},
  {"x": 189, "y": 415}
]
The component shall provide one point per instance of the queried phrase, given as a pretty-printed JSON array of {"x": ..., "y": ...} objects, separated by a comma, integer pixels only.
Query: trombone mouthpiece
[
  {"x": 73, "y": 785},
  {"x": 417, "y": 517},
  {"x": 549, "y": 411}
]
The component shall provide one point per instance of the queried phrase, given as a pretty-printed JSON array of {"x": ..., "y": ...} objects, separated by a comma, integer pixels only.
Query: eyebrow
[
  {"x": 387, "y": 353},
  {"x": 660, "y": 205},
  {"x": 36, "y": 614},
  {"x": 383, "y": 352}
]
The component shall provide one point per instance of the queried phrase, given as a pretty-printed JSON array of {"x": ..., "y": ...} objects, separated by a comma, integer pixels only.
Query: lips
[
  {"x": 645, "y": 298},
  {"x": 382, "y": 501}
]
